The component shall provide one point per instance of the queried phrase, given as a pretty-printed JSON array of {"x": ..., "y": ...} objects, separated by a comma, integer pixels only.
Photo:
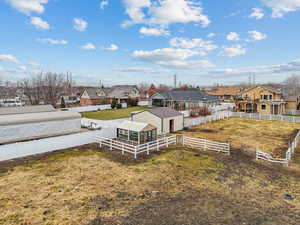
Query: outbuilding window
[{"x": 263, "y": 107}]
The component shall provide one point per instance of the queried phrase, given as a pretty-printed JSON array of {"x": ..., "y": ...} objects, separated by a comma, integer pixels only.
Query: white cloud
[
  {"x": 257, "y": 13},
  {"x": 232, "y": 36},
  {"x": 104, "y": 3},
  {"x": 257, "y": 36},
  {"x": 211, "y": 35},
  {"x": 188, "y": 64},
  {"x": 281, "y": 7},
  {"x": 28, "y": 6},
  {"x": 8, "y": 58},
  {"x": 171, "y": 57},
  {"x": 39, "y": 23},
  {"x": 88, "y": 46},
  {"x": 233, "y": 51},
  {"x": 164, "y": 12},
  {"x": 32, "y": 63},
  {"x": 52, "y": 41},
  {"x": 201, "y": 46},
  {"x": 112, "y": 47},
  {"x": 138, "y": 70},
  {"x": 80, "y": 24},
  {"x": 134, "y": 9},
  {"x": 154, "y": 31}
]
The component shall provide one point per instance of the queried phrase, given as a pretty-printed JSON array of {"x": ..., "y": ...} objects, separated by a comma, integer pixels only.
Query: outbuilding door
[{"x": 171, "y": 127}]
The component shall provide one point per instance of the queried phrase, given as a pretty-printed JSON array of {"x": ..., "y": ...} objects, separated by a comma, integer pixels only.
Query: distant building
[
  {"x": 184, "y": 100},
  {"x": 33, "y": 122},
  {"x": 97, "y": 96},
  {"x": 266, "y": 100},
  {"x": 225, "y": 93},
  {"x": 166, "y": 120}
]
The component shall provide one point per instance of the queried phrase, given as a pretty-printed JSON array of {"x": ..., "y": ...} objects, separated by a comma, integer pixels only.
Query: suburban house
[
  {"x": 166, "y": 120},
  {"x": 266, "y": 100},
  {"x": 184, "y": 99},
  {"x": 32, "y": 122},
  {"x": 97, "y": 96},
  {"x": 136, "y": 132},
  {"x": 225, "y": 93}
]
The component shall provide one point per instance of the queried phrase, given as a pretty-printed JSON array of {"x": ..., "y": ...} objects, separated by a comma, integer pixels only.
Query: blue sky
[{"x": 134, "y": 41}]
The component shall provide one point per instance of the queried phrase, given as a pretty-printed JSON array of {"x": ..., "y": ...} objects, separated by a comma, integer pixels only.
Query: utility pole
[{"x": 175, "y": 80}]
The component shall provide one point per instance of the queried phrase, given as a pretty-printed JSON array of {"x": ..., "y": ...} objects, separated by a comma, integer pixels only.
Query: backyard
[
  {"x": 270, "y": 136},
  {"x": 113, "y": 113},
  {"x": 89, "y": 186}
]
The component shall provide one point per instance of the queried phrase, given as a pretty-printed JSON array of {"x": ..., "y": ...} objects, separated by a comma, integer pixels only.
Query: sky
[{"x": 148, "y": 41}]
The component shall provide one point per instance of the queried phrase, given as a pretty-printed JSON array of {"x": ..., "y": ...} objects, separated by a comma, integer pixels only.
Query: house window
[
  {"x": 263, "y": 107},
  {"x": 270, "y": 97},
  {"x": 265, "y": 97}
]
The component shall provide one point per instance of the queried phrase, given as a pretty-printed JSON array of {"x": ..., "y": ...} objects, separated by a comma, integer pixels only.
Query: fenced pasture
[
  {"x": 270, "y": 136},
  {"x": 136, "y": 149}
]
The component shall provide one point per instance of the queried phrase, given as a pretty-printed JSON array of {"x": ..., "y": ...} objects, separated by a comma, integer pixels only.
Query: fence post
[
  {"x": 205, "y": 145},
  {"x": 122, "y": 148},
  {"x": 148, "y": 149},
  {"x": 110, "y": 144},
  {"x": 135, "y": 152},
  {"x": 167, "y": 141},
  {"x": 100, "y": 144},
  {"x": 229, "y": 148},
  {"x": 157, "y": 143},
  {"x": 183, "y": 142}
]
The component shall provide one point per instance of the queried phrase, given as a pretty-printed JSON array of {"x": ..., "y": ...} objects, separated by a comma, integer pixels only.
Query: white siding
[
  {"x": 178, "y": 124},
  {"x": 163, "y": 125},
  {"x": 147, "y": 117}
]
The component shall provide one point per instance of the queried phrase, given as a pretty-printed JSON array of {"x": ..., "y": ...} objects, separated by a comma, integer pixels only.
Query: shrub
[
  {"x": 119, "y": 106},
  {"x": 114, "y": 103}
]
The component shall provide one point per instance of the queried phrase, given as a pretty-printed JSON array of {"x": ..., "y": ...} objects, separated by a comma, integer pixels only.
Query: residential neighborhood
[{"x": 149, "y": 112}]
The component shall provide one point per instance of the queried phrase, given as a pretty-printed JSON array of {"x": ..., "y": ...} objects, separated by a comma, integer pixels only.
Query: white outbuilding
[
  {"x": 166, "y": 120},
  {"x": 32, "y": 122}
]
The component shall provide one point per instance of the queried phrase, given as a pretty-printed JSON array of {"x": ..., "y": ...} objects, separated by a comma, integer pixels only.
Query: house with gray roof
[
  {"x": 184, "y": 99},
  {"x": 98, "y": 96},
  {"x": 166, "y": 120}
]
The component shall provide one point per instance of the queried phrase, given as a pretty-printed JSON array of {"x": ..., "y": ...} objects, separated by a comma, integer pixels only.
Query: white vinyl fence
[
  {"x": 291, "y": 119},
  {"x": 206, "y": 144},
  {"x": 292, "y": 112},
  {"x": 267, "y": 157},
  {"x": 92, "y": 108},
  {"x": 206, "y": 119},
  {"x": 136, "y": 149}
]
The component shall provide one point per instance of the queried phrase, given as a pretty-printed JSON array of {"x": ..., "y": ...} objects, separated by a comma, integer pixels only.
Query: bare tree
[
  {"x": 46, "y": 87},
  {"x": 54, "y": 85},
  {"x": 292, "y": 85},
  {"x": 33, "y": 88}
]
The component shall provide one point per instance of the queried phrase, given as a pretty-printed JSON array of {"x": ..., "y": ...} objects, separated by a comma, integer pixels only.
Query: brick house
[{"x": 98, "y": 96}]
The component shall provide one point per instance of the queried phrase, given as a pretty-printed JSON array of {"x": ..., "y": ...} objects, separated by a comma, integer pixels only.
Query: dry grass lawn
[
  {"x": 86, "y": 187},
  {"x": 248, "y": 134}
]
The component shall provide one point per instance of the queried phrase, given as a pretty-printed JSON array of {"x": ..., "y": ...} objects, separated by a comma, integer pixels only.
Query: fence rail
[
  {"x": 136, "y": 149},
  {"x": 269, "y": 158},
  {"x": 206, "y": 119},
  {"x": 206, "y": 144}
]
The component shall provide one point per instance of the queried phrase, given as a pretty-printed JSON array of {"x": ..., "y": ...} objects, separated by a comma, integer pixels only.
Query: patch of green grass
[
  {"x": 187, "y": 160},
  {"x": 112, "y": 114},
  {"x": 66, "y": 155}
]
